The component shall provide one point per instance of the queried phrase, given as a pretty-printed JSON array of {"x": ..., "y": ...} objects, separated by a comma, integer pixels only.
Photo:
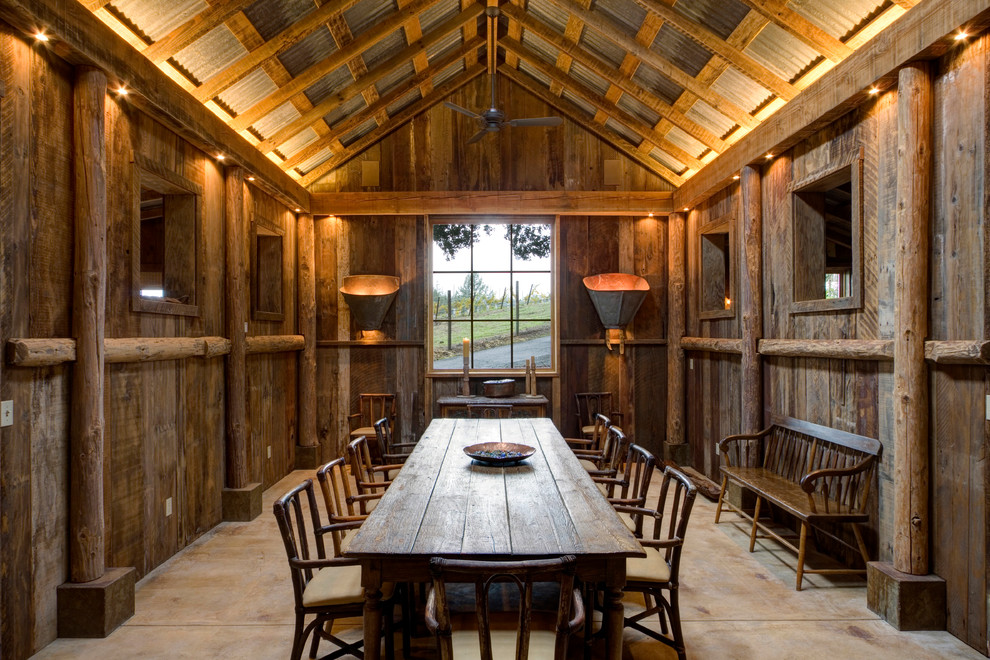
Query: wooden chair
[
  {"x": 371, "y": 480},
  {"x": 592, "y": 449},
  {"x": 489, "y": 410},
  {"x": 605, "y": 473},
  {"x": 656, "y": 576},
  {"x": 327, "y": 587},
  {"x": 591, "y": 404},
  {"x": 340, "y": 503},
  {"x": 632, "y": 484},
  {"x": 392, "y": 452},
  {"x": 490, "y": 642},
  {"x": 371, "y": 407}
]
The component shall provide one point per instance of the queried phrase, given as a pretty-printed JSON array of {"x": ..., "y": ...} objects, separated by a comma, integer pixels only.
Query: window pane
[
  {"x": 531, "y": 247},
  {"x": 492, "y": 344},
  {"x": 532, "y": 340},
  {"x": 492, "y": 296},
  {"x": 492, "y": 248},
  {"x": 453, "y": 287},
  {"x": 534, "y": 295},
  {"x": 452, "y": 247},
  {"x": 448, "y": 347}
]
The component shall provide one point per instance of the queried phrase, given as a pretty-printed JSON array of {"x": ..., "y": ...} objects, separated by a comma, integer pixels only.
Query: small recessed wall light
[
  {"x": 298, "y": 210},
  {"x": 735, "y": 177},
  {"x": 650, "y": 214},
  {"x": 41, "y": 36},
  {"x": 122, "y": 91},
  {"x": 220, "y": 156},
  {"x": 962, "y": 35},
  {"x": 685, "y": 209},
  {"x": 250, "y": 178},
  {"x": 874, "y": 90},
  {"x": 769, "y": 156}
]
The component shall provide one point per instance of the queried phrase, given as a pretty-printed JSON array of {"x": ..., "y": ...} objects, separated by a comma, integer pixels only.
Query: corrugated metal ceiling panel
[
  {"x": 526, "y": 68},
  {"x": 709, "y": 118},
  {"x": 248, "y": 90},
  {"x": 625, "y": 13},
  {"x": 345, "y": 109},
  {"x": 405, "y": 100},
  {"x": 445, "y": 45},
  {"x": 328, "y": 84},
  {"x": 366, "y": 13},
  {"x": 210, "y": 54},
  {"x": 448, "y": 73},
  {"x": 837, "y": 17},
  {"x": 275, "y": 120},
  {"x": 681, "y": 139},
  {"x": 356, "y": 133},
  {"x": 719, "y": 16},
  {"x": 318, "y": 45},
  {"x": 315, "y": 160},
  {"x": 155, "y": 18},
  {"x": 384, "y": 49},
  {"x": 681, "y": 50},
  {"x": 588, "y": 78},
  {"x": 548, "y": 13},
  {"x": 395, "y": 78},
  {"x": 602, "y": 48},
  {"x": 569, "y": 95},
  {"x": 660, "y": 85},
  {"x": 438, "y": 13},
  {"x": 293, "y": 145},
  {"x": 634, "y": 107},
  {"x": 270, "y": 17},
  {"x": 543, "y": 49},
  {"x": 667, "y": 160},
  {"x": 737, "y": 88},
  {"x": 781, "y": 52},
  {"x": 629, "y": 135}
]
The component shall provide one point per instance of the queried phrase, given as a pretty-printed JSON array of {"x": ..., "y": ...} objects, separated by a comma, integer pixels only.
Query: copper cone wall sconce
[
  {"x": 369, "y": 297},
  {"x": 616, "y": 297}
]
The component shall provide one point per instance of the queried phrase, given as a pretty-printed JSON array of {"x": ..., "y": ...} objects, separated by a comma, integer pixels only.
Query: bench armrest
[
  {"x": 723, "y": 444},
  {"x": 808, "y": 484}
]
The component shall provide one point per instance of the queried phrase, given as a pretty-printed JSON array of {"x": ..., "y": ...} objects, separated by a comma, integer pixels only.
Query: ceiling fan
[{"x": 492, "y": 120}]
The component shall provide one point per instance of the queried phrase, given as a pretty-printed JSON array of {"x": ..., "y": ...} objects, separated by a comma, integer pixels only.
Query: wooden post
[
  {"x": 86, "y": 524},
  {"x": 676, "y": 449},
  {"x": 914, "y": 156},
  {"x": 307, "y": 453},
  {"x": 751, "y": 299},
  {"x": 235, "y": 281}
]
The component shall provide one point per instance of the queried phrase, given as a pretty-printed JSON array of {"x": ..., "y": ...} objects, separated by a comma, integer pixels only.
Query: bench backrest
[{"x": 795, "y": 447}]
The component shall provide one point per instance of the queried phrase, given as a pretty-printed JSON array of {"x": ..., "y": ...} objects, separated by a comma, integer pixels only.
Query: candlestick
[
  {"x": 465, "y": 380},
  {"x": 467, "y": 348},
  {"x": 532, "y": 360}
]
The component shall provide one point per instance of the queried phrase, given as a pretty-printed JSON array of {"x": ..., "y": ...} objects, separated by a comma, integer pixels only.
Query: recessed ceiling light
[
  {"x": 651, "y": 214},
  {"x": 962, "y": 35},
  {"x": 220, "y": 156},
  {"x": 769, "y": 156},
  {"x": 735, "y": 177},
  {"x": 41, "y": 36},
  {"x": 297, "y": 210},
  {"x": 874, "y": 90},
  {"x": 122, "y": 91},
  {"x": 250, "y": 178},
  {"x": 686, "y": 209}
]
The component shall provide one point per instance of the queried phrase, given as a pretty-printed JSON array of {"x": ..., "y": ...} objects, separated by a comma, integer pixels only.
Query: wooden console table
[{"x": 522, "y": 406}]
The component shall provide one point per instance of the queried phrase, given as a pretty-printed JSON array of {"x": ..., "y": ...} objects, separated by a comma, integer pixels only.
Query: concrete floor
[{"x": 228, "y": 595}]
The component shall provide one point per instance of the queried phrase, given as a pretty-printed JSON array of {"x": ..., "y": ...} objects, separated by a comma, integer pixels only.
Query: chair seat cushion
[
  {"x": 588, "y": 465},
  {"x": 588, "y": 431},
  {"x": 652, "y": 568},
  {"x": 467, "y": 647},
  {"x": 338, "y": 585},
  {"x": 628, "y": 520},
  {"x": 368, "y": 431}
]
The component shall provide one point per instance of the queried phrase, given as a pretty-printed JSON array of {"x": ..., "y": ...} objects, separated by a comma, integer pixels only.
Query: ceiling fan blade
[
  {"x": 477, "y": 136},
  {"x": 463, "y": 111},
  {"x": 536, "y": 121}
]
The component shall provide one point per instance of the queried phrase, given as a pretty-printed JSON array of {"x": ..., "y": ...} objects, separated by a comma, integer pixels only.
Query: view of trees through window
[{"x": 492, "y": 284}]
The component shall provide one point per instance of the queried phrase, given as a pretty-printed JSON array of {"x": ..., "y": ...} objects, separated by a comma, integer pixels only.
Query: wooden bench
[{"x": 815, "y": 473}]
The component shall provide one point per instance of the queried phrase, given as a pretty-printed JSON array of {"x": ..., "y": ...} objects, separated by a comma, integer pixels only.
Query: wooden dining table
[{"x": 443, "y": 503}]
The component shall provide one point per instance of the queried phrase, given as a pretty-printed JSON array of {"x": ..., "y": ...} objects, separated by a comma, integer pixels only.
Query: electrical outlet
[
  {"x": 988, "y": 413},
  {"x": 269, "y": 451},
  {"x": 7, "y": 413},
  {"x": 245, "y": 327},
  {"x": 168, "y": 506},
  {"x": 690, "y": 363}
]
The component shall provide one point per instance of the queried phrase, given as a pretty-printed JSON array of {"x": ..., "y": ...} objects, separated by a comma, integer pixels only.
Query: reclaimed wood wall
[
  {"x": 164, "y": 433},
  {"x": 856, "y": 395}
]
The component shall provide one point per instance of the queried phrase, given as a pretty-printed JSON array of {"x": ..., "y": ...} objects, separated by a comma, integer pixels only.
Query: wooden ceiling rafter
[
  {"x": 800, "y": 27},
  {"x": 329, "y": 104},
  {"x": 572, "y": 35},
  {"x": 599, "y": 103},
  {"x": 341, "y": 128},
  {"x": 315, "y": 72},
  {"x": 575, "y": 114},
  {"x": 513, "y": 28},
  {"x": 196, "y": 27},
  {"x": 610, "y": 31},
  {"x": 413, "y": 31},
  {"x": 721, "y": 48},
  {"x": 399, "y": 119},
  {"x": 288, "y": 37},
  {"x": 619, "y": 79},
  {"x": 341, "y": 33}
]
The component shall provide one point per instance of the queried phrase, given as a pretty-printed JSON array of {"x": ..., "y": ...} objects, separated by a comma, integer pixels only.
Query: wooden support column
[
  {"x": 95, "y": 601},
  {"x": 903, "y": 593},
  {"x": 751, "y": 299},
  {"x": 676, "y": 448},
  {"x": 240, "y": 500},
  {"x": 308, "y": 450}
]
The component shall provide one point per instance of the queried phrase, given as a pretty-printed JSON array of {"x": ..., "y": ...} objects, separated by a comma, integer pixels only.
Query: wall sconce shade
[
  {"x": 369, "y": 297},
  {"x": 616, "y": 297}
]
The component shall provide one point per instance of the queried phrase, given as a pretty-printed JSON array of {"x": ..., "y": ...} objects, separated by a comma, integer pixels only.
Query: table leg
[
  {"x": 613, "y": 623},
  {"x": 372, "y": 622}
]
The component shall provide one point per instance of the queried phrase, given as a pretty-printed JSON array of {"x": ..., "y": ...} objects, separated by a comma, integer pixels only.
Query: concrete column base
[
  {"x": 907, "y": 602},
  {"x": 97, "y": 608},
  {"x": 679, "y": 453},
  {"x": 307, "y": 458},
  {"x": 241, "y": 504}
]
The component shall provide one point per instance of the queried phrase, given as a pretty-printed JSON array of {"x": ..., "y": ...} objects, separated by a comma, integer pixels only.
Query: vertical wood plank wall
[
  {"x": 164, "y": 420},
  {"x": 856, "y": 395}
]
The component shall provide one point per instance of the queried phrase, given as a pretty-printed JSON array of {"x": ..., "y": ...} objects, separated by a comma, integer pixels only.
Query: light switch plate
[
  {"x": 7, "y": 413},
  {"x": 269, "y": 451},
  {"x": 168, "y": 507}
]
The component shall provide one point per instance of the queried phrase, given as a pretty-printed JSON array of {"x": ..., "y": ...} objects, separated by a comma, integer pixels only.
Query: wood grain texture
[
  {"x": 751, "y": 298},
  {"x": 236, "y": 314},
  {"x": 676, "y": 285},
  {"x": 306, "y": 314}
]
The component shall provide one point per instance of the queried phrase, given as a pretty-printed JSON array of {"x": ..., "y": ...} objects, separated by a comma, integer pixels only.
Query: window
[
  {"x": 716, "y": 270},
  {"x": 493, "y": 285},
  {"x": 165, "y": 237},
  {"x": 266, "y": 271},
  {"x": 827, "y": 220}
]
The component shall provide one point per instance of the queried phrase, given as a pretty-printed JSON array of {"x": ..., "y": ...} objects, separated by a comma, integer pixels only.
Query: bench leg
[
  {"x": 801, "y": 548},
  {"x": 756, "y": 520},
  {"x": 721, "y": 494}
]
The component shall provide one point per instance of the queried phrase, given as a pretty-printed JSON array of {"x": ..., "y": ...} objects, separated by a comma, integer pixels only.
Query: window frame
[
  {"x": 263, "y": 227},
  {"x": 494, "y": 219},
  {"x": 149, "y": 174},
  {"x": 821, "y": 181},
  {"x": 721, "y": 225}
]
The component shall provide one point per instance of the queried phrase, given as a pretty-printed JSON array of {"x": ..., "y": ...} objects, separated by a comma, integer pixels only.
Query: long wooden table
[{"x": 444, "y": 504}]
